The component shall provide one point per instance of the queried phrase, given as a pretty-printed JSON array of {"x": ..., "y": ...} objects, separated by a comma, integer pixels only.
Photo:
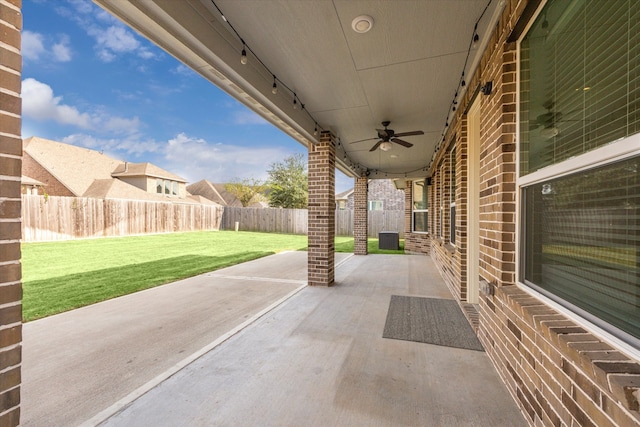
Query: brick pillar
[
  {"x": 10, "y": 205},
  {"x": 322, "y": 205},
  {"x": 360, "y": 215}
]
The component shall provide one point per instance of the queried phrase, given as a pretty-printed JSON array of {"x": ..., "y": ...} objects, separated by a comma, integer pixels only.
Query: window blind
[
  {"x": 579, "y": 79},
  {"x": 583, "y": 241}
]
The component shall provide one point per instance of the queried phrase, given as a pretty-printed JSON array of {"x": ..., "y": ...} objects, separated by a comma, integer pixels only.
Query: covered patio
[{"x": 315, "y": 357}]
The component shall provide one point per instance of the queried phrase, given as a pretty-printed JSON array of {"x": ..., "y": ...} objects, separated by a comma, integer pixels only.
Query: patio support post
[
  {"x": 360, "y": 215},
  {"x": 10, "y": 210},
  {"x": 322, "y": 219}
]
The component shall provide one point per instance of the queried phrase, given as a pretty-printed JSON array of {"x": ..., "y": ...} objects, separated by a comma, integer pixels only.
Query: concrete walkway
[
  {"x": 319, "y": 359},
  {"x": 79, "y": 363}
]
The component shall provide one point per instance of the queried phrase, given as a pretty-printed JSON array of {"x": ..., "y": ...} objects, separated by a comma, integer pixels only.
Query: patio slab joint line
[{"x": 123, "y": 403}]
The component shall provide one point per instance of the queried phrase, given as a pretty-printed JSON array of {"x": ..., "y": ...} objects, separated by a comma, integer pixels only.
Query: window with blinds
[
  {"x": 583, "y": 241},
  {"x": 579, "y": 91},
  {"x": 579, "y": 79},
  {"x": 420, "y": 211}
]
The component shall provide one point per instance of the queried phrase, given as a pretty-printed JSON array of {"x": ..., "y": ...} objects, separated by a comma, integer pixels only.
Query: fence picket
[
  {"x": 294, "y": 221},
  {"x": 65, "y": 218}
]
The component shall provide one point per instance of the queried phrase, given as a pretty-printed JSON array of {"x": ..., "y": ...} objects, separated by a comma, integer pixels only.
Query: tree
[
  {"x": 246, "y": 190},
  {"x": 288, "y": 182}
]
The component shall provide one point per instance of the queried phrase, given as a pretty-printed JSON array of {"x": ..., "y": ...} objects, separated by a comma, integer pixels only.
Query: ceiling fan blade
[
  {"x": 362, "y": 140},
  {"x": 382, "y": 132},
  {"x": 376, "y": 146},
  {"x": 415, "y": 132},
  {"x": 401, "y": 142}
]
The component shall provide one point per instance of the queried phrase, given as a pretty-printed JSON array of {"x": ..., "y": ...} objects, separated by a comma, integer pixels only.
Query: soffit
[{"x": 406, "y": 69}]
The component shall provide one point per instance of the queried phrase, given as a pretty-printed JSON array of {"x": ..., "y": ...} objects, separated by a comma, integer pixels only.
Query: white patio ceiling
[{"x": 406, "y": 69}]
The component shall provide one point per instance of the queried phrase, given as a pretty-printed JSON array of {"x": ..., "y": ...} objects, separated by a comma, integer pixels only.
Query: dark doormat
[{"x": 429, "y": 320}]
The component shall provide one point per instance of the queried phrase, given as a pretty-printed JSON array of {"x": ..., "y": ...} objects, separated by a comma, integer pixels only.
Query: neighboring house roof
[
  {"x": 206, "y": 189},
  {"x": 229, "y": 199},
  {"x": 144, "y": 169},
  {"x": 116, "y": 189},
  {"x": 217, "y": 193},
  {"x": 344, "y": 195},
  {"x": 75, "y": 167},
  {"x": 89, "y": 173},
  {"x": 25, "y": 180}
]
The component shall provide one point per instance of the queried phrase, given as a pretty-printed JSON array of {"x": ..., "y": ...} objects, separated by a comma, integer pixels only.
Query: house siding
[
  {"x": 558, "y": 372},
  {"x": 10, "y": 165}
]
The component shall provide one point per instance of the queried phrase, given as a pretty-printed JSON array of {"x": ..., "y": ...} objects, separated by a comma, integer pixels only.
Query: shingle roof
[
  {"x": 75, "y": 167},
  {"x": 344, "y": 195},
  {"x": 210, "y": 191},
  {"x": 144, "y": 169}
]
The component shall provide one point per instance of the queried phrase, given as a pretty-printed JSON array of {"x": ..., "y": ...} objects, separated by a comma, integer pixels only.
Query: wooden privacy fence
[
  {"x": 294, "y": 221},
  {"x": 64, "y": 218}
]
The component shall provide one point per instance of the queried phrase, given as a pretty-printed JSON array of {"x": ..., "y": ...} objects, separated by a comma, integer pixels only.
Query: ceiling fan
[
  {"x": 550, "y": 120},
  {"x": 387, "y": 136}
]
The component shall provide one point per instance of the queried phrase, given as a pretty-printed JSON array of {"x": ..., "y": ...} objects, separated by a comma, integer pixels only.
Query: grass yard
[{"x": 61, "y": 276}]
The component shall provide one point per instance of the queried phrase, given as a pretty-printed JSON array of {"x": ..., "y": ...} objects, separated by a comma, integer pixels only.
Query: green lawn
[{"x": 60, "y": 276}]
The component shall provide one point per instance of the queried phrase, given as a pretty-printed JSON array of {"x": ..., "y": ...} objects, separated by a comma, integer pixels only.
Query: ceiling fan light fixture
[
  {"x": 361, "y": 24},
  {"x": 386, "y": 146},
  {"x": 550, "y": 132}
]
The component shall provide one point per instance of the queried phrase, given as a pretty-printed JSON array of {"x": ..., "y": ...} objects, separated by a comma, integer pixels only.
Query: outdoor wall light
[
  {"x": 487, "y": 88},
  {"x": 362, "y": 24}
]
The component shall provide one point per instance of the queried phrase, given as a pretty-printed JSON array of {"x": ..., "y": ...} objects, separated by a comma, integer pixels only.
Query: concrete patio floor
[{"x": 317, "y": 359}]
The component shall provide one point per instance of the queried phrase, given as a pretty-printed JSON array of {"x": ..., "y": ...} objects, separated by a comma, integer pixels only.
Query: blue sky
[{"x": 90, "y": 81}]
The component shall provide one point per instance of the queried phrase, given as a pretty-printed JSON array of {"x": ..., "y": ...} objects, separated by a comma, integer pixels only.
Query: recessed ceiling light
[{"x": 362, "y": 24}]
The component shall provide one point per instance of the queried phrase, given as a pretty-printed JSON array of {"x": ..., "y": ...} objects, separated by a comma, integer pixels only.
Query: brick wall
[
  {"x": 558, "y": 372},
  {"x": 360, "y": 216},
  {"x": 10, "y": 167},
  {"x": 321, "y": 220},
  {"x": 385, "y": 191},
  {"x": 52, "y": 186}
]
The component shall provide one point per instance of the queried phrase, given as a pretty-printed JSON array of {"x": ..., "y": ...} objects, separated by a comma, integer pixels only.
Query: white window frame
[
  {"x": 617, "y": 150},
  {"x": 424, "y": 180},
  {"x": 452, "y": 196},
  {"x": 371, "y": 204}
]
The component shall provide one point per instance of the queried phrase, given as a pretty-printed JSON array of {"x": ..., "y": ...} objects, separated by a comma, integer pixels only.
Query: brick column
[
  {"x": 360, "y": 215},
  {"x": 10, "y": 205},
  {"x": 322, "y": 205}
]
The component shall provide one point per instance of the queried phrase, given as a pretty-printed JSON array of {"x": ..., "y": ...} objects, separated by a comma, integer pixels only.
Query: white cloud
[
  {"x": 39, "y": 103},
  {"x": 111, "y": 36},
  {"x": 61, "y": 50},
  {"x": 36, "y": 47},
  {"x": 32, "y": 45},
  {"x": 195, "y": 159},
  {"x": 131, "y": 145}
]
